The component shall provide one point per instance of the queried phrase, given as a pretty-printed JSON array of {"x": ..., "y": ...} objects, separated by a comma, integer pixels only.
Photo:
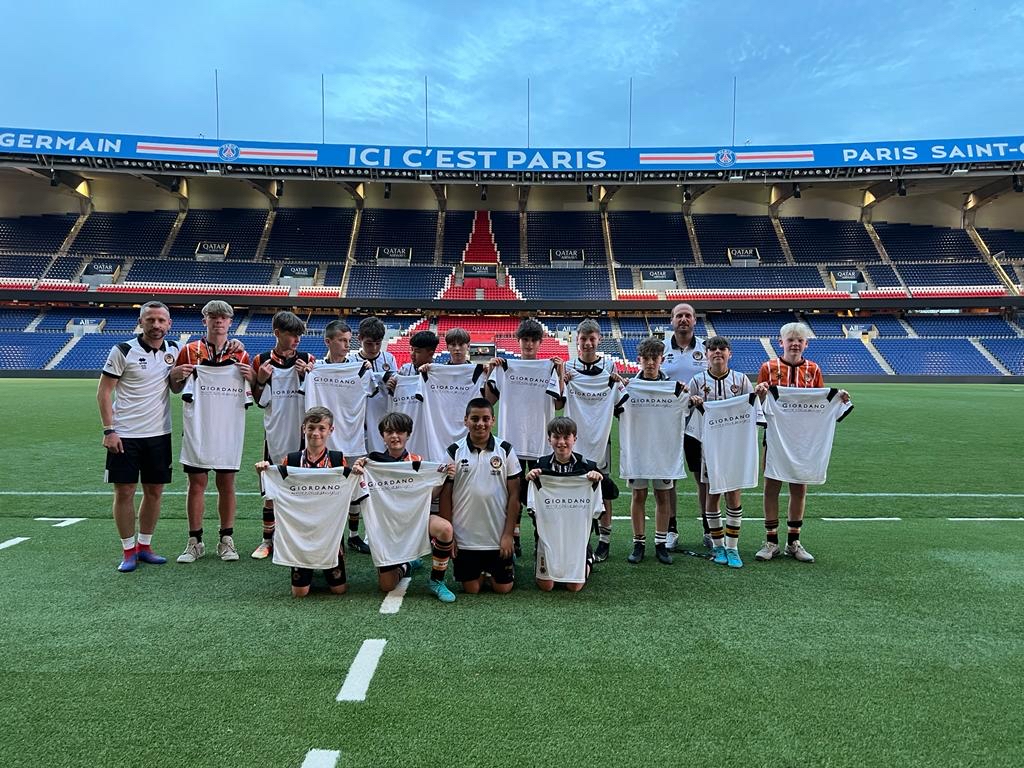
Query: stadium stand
[
  {"x": 1009, "y": 352},
  {"x": 841, "y": 357},
  {"x": 90, "y": 352},
  {"x": 220, "y": 272},
  {"x": 505, "y": 226},
  {"x": 914, "y": 242},
  {"x": 458, "y": 226},
  {"x": 135, "y": 233},
  {"x": 35, "y": 234},
  {"x": 122, "y": 321},
  {"x": 960, "y": 325},
  {"x": 929, "y": 357},
  {"x": 644, "y": 237},
  {"x": 883, "y": 275},
  {"x": 818, "y": 240},
  {"x": 1009, "y": 241},
  {"x": 16, "y": 319},
  {"x": 750, "y": 324},
  {"x": 25, "y": 267},
  {"x": 397, "y": 282},
  {"x": 624, "y": 278},
  {"x": 537, "y": 283},
  {"x": 724, "y": 278},
  {"x": 28, "y": 351},
  {"x": 949, "y": 273},
  {"x": 717, "y": 232},
  {"x": 310, "y": 234},
  {"x": 399, "y": 228},
  {"x": 547, "y": 230},
  {"x": 242, "y": 228},
  {"x": 631, "y": 325},
  {"x": 66, "y": 267}
]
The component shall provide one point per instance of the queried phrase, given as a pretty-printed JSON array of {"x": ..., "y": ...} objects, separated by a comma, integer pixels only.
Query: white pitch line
[
  {"x": 860, "y": 519},
  {"x": 321, "y": 758},
  {"x": 985, "y": 519},
  {"x": 63, "y": 522},
  {"x": 361, "y": 672},
  {"x": 393, "y": 600},
  {"x": 12, "y": 542}
]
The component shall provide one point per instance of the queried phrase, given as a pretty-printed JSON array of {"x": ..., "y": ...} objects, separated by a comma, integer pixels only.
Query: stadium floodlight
[
  {"x": 1018, "y": 185},
  {"x": 387, "y": 191},
  {"x": 901, "y": 188},
  {"x": 796, "y": 191}
]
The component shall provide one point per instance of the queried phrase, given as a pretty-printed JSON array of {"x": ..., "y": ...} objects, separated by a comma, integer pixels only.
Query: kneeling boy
[
  {"x": 564, "y": 505},
  {"x": 482, "y": 502}
]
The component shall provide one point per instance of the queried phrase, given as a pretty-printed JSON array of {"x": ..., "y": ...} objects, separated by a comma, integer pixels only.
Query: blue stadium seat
[
  {"x": 310, "y": 234},
  {"x": 717, "y": 232},
  {"x": 914, "y": 242},
  {"x": 189, "y": 271},
  {"x": 458, "y": 225},
  {"x": 134, "y": 233},
  {"x": 564, "y": 229},
  {"x": 1009, "y": 352},
  {"x": 740, "y": 324},
  {"x": 371, "y": 281},
  {"x": 960, "y": 325},
  {"x": 818, "y": 240},
  {"x": 505, "y": 226},
  {"x": 21, "y": 351},
  {"x": 644, "y": 237},
  {"x": 396, "y": 227},
  {"x": 16, "y": 319},
  {"x": 840, "y": 357},
  {"x": 242, "y": 228},
  {"x": 927, "y": 357},
  {"x": 752, "y": 277},
  {"x": 585, "y": 284},
  {"x": 948, "y": 273},
  {"x": 35, "y": 234}
]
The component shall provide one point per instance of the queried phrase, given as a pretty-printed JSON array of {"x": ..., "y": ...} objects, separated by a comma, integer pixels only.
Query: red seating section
[{"x": 481, "y": 248}]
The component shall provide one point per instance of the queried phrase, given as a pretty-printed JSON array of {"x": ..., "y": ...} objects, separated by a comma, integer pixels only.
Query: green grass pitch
[{"x": 900, "y": 646}]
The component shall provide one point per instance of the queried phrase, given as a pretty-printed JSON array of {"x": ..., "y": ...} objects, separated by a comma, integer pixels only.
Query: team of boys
[{"x": 474, "y": 484}]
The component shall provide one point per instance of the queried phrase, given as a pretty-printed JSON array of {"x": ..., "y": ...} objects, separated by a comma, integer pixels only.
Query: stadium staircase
[
  {"x": 261, "y": 246},
  {"x": 69, "y": 241},
  {"x": 691, "y": 232},
  {"x": 873, "y": 234},
  {"x": 62, "y": 353},
  {"x": 877, "y": 356},
  {"x": 480, "y": 248},
  {"x": 783, "y": 240},
  {"x": 990, "y": 357}
]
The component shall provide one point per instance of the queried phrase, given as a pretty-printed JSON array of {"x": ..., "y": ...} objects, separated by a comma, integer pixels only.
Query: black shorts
[
  {"x": 190, "y": 470},
  {"x": 145, "y": 457},
  {"x": 692, "y": 450},
  {"x": 524, "y": 487},
  {"x": 470, "y": 563}
]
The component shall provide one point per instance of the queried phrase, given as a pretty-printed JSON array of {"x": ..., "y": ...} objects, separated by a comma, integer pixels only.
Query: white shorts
[{"x": 659, "y": 485}]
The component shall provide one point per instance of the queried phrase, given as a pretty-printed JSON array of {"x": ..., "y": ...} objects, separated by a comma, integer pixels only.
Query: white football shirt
[
  {"x": 342, "y": 388},
  {"x": 396, "y": 507},
  {"x": 446, "y": 390},
  {"x": 480, "y": 491},
  {"x": 527, "y": 390},
  {"x": 651, "y": 427},
  {"x": 142, "y": 404},
  {"x": 408, "y": 399},
  {"x": 591, "y": 401},
  {"x": 311, "y": 513},
  {"x": 801, "y": 427},
  {"x": 683, "y": 364},
  {"x": 729, "y": 445},
  {"x": 564, "y": 507},
  {"x": 283, "y": 405},
  {"x": 213, "y": 415}
]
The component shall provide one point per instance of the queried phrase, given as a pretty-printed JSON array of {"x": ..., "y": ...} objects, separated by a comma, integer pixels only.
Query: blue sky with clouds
[{"x": 806, "y": 71}]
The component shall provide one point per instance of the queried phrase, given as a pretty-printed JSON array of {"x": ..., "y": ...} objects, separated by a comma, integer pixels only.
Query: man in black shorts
[{"x": 135, "y": 412}]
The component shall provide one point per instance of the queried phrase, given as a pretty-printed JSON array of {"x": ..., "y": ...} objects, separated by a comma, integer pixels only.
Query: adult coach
[
  {"x": 684, "y": 358},
  {"x": 135, "y": 411}
]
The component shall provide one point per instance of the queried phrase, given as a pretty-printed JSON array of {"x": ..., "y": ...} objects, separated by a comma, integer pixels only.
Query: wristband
[{"x": 108, "y": 431}]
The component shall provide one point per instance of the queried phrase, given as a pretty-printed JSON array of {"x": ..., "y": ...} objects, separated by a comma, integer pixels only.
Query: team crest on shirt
[
  {"x": 735, "y": 389},
  {"x": 706, "y": 390},
  {"x": 169, "y": 359},
  {"x": 495, "y": 465},
  {"x": 807, "y": 376},
  {"x": 698, "y": 355}
]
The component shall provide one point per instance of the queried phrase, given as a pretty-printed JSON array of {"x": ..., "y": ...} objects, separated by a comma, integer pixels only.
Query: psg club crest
[
  {"x": 725, "y": 157},
  {"x": 228, "y": 152}
]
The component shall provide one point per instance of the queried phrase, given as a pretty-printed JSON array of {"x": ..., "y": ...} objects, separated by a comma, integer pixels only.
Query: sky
[{"x": 805, "y": 72}]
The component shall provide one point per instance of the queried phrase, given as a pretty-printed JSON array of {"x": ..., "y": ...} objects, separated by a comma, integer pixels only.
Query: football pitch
[{"x": 902, "y": 645}]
